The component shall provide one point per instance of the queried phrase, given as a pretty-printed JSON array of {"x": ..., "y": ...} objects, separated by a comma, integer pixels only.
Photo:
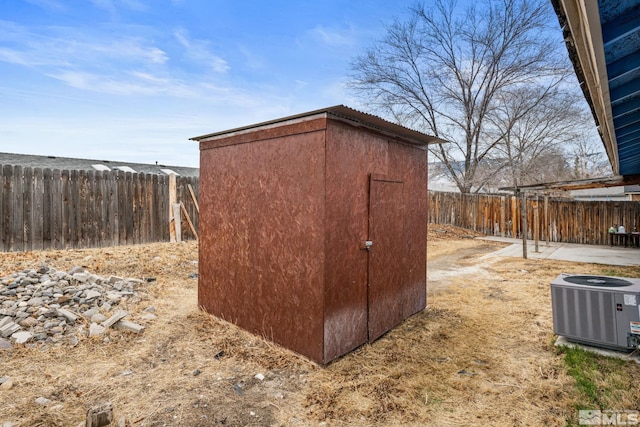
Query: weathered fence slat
[
  {"x": 38, "y": 211},
  {"x": 27, "y": 206},
  {"x": 563, "y": 220},
  {"x": 54, "y": 209}
]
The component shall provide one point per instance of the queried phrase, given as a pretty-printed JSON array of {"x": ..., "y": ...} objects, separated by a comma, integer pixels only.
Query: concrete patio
[{"x": 609, "y": 255}]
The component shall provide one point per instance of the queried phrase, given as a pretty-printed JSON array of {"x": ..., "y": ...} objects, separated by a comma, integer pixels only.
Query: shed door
[{"x": 386, "y": 230}]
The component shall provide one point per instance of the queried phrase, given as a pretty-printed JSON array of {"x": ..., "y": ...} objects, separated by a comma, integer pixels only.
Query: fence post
[
  {"x": 536, "y": 225},
  {"x": 173, "y": 199},
  {"x": 524, "y": 225}
]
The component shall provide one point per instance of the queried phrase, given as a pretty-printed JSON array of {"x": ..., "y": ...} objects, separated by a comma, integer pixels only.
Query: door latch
[{"x": 366, "y": 244}]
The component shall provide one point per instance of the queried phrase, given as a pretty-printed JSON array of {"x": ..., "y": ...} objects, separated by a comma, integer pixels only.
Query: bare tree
[
  {"x": 589, "y": 160},
  {"x": 445, "y": 71},
  {"x": 534, "y": 126}
]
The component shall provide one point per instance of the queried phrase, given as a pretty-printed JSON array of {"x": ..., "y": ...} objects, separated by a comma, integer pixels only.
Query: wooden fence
[
  {"x": 59, "y": 209},
  {"x": 554, "y": 219}
]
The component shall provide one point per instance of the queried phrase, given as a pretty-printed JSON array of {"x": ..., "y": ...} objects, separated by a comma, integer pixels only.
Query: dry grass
[{"x": 480, "y": 354}]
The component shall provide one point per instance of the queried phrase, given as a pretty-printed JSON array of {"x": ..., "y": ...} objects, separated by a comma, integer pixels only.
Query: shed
[{"x": 313, "y": 228}]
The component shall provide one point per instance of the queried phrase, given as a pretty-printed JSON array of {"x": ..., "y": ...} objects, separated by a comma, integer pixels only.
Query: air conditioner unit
[{"x": 597, "y": 310}]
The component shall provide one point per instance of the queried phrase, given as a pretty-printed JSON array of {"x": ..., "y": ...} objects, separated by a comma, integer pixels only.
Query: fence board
[
  {"x": 27, "y": 206},
  {"x": 38, "y": 211},
  {"x": 114, "y": 215},
  {"x": 564, "y": 220},
  {"x": 54, "y": 209},
  {"x": 67, "y": 224}
]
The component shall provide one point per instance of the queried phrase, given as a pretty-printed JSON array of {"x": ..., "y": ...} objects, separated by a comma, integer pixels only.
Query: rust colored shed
[{"x": 287, "y": 209}]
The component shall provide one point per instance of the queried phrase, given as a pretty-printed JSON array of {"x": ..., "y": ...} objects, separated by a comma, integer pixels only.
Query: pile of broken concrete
[{"x": 46, "y": 306}]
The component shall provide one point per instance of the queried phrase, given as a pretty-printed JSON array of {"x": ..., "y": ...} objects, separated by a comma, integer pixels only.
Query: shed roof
[
  {"x": 340, "y": 112},
  {"x": 603, "y": 40},
  {"x": 69, "y": 163}
]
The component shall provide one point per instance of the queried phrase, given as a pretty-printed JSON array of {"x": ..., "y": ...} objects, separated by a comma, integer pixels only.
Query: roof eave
[{"x": 580, "y": 21}]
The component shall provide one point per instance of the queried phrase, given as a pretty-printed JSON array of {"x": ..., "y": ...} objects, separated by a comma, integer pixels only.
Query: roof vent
[
  {"x": 125, "y": 169},
  {"x": 170, "y": 171}
]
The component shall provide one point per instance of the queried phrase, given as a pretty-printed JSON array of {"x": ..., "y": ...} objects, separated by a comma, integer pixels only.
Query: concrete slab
[
  {"x": 608, "y": 255},
  {"x": 634, "y": 356}
]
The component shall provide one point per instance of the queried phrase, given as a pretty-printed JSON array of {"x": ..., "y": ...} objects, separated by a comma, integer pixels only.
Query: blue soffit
[{"x": 620, "y": 23}]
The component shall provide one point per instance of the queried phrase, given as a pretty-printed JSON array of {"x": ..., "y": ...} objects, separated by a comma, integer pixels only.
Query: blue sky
[{"x": 132, "y": 80}]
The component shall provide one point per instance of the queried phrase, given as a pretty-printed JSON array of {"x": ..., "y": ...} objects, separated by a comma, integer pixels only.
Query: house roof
[
  {"x": 53, "y": 162},
  {"x": 340, "y": 112},
  {"x": 603, "y": 41}
]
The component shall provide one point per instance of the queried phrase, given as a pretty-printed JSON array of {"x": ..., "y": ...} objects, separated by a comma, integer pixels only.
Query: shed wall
[{"x": 262, "y": 234}]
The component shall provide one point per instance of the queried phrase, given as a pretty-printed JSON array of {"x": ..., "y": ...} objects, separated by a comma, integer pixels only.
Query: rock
[
  {"x": 43, "y": 401},
  {"x": 113, "y": 296},
  {"x": 50, "y": 324},
  {"x": 62, "y": 299},
  {"x": 6, "y": 385},
  {"x": 100, "y": 415},
  {"x": 9, "y": 329},
  {"x": 36, "y": 301},
  {"x": 70, "y": 316},
  {"x": 118, "y": 315},
  {"x": 95, "y": 330},
  {"x": 259, "y": 377},
  {"x": 22, "y": 337},
  {"x": 50, "y": 304},
  {"x": 129, "y": 326},
  {"x": 112, "y": 280},
  {"x": 149, "y": 316},
  {"x": 76, "y": 269},
  {"x": 237, "y": 388},
  {"x": 150, "y": 309},
  {"x": 89, "y": 313},
  {"x": 4, "y": 344},
  {"x": 91, "y": 294},
  {"x": 4, "y": 379},
  {"x": 98, "y": 318},
  {"x": 81, "y": 277}
]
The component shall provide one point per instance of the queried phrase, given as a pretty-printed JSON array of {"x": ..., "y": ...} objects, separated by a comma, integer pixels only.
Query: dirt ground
[{"x": 480, "y": 354}]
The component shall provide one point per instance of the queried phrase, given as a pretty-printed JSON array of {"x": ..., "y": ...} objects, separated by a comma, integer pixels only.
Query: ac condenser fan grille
[{"x": 600, "y": 281}]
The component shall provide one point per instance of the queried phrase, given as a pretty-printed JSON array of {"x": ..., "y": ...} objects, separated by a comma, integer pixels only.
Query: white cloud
[
  {"x": 332, "y": 36},
  {"x": 69, "y": 47},
  {"x": 127, "y": 83},
  {"x": 198, "y": 51},
  {"x": 252, "y": 60}
]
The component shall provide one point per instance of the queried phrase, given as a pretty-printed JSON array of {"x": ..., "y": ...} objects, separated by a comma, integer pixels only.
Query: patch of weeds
[
  {"x": 609, "y": 272},
  {"x": 581, "y": 365},
  {"x": 600, "y": 380}
]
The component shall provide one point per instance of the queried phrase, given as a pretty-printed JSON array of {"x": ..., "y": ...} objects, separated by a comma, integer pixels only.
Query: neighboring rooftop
[{"x": 54, "y": 162}]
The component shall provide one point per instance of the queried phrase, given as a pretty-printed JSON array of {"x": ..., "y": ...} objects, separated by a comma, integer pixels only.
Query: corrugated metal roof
[{"x": 348, "y": 114}]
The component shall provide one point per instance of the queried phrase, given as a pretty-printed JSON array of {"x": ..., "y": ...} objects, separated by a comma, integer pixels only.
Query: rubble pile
[{"x": 54, "y": 307}]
